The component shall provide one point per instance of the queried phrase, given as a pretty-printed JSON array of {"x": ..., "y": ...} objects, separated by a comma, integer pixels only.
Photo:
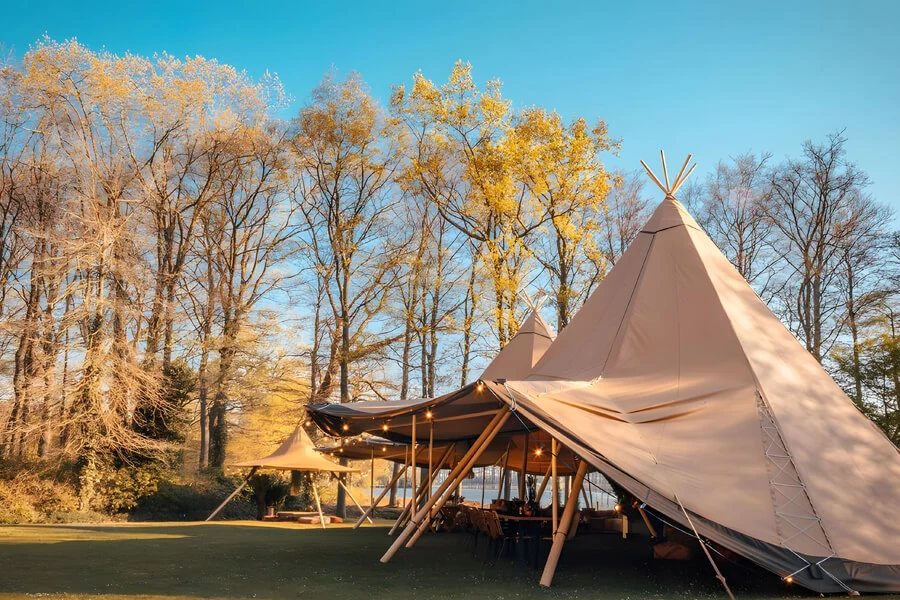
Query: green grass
[{"x": 275, "y": 561}]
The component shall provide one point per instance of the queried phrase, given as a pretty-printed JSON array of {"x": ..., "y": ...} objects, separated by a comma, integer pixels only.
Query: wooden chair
[{"x": 498, "y": 535}]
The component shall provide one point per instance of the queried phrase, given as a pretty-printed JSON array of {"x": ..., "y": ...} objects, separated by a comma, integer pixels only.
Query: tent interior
[{"x": 679, "y": 385}]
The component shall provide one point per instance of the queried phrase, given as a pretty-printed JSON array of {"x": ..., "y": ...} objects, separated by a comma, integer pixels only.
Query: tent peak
[{"x": 670, "y": 189}]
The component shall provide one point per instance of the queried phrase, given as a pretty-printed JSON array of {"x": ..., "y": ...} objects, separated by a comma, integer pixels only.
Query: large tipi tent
[{"x": 679, "y": 383}]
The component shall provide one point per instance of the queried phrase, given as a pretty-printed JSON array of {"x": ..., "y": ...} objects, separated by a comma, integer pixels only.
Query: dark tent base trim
[{"x": 811, "y": 572}]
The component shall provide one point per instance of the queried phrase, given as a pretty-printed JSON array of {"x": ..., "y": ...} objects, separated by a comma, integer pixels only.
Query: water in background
[{"x": 600, "y": 495}]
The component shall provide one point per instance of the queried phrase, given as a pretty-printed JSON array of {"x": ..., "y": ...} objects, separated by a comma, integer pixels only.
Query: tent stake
[
  {"x": 233, "y": 494},
  {"x": 559, "y": 535}
]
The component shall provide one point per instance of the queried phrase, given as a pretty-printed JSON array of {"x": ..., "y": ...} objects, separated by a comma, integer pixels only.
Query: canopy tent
[
  {"x": 678, "y": 382},
  {"x": 455, "y": 419},
  {"x": 296, "y": 453},
  {"x": 512, "y": 451},
  {"x": 452, "y": 417}
]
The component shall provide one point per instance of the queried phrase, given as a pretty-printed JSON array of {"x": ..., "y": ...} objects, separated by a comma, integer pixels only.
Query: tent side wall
[{"x": 863, "y": 577}]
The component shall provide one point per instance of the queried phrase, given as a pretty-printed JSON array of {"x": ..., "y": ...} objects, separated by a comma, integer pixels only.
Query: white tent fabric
[{"x": 679, "y": 382}]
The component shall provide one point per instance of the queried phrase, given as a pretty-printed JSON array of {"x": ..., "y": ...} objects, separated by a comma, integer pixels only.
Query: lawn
[{"x": 275, "y": 561}]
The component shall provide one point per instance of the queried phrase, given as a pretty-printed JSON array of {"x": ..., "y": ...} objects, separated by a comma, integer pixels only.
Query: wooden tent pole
[
  {"x": 554, "y": 448},
  {"x": 559, "y": 536},
  {"x": 406, "y": 478},
  {"x": 482, "y": 486},
  {"x": 677, "y": 181},
  {"x": 662, "y": 156},
  {"x": 436, "y": 506},
  {"x": 381, "y": 496},
  {"x": 415, "y": 467},
  {"x": 318, "y": 502},
  {"x": 399, "y": 522},
  {"x": 408, "y": 508},
  {"x": 683, "y": 179},
  {"x": 524, "y": 469},
  {"x": 647, "y": 522},
  {"x": 430, "y": 457},
  {"x": 233, "y": 494},
  {"x": 499, "y": 418},
  {"x": 504, "y": 472},
  {"x": 349, "y": 493},
  {"x": 540, "y": 492},
  {"x": 372, "y": 482}
]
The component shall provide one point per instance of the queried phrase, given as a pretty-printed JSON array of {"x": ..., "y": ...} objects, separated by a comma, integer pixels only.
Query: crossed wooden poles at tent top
[{"x": 669, "y": 190}]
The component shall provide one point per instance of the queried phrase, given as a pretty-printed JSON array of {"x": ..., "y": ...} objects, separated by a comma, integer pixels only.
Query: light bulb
[
  {"x": 617, "y": 507},
  {"x": 345, "y": 427},
  {"x": 427, "y": 414},
  {"x": 384, "y": 427},
  {"x": 789, "y": 580}
]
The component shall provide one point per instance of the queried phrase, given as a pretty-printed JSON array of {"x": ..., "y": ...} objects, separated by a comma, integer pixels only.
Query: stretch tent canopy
[
  {"x": 296, "y": 453},
  {"x": 511, "y": 451},
  {"x": 458, "y": 416},
  {"x": 678, "y": 382}
]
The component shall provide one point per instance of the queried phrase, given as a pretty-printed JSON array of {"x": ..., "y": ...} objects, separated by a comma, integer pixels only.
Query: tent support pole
[
  {"x": 372, "y": 483},
  {"x": 381, "y": 496},
  {"x": 559, "y": 536},
  {"x": 504, "y": 472},
  {"x": 346, "y": 489},
  {"x": 430, "y": 458},
  {"x": 647, "y": 522},
  {"x": 475, "y": 450},
  {"x": 482, "y": 486},
  {"x": 436, "y": 506},
  {"x": 318, "y": 502},
  {"x": 422, "y": 484},
  {"x": 233, "y": 494},
  {"x": 544, "y": 481},
  {"x": 554, "y": 448},
  {"x": 399, "y": 520},
  {"x": 415, "y": 466},
  {"x": 524, "y": 469}
]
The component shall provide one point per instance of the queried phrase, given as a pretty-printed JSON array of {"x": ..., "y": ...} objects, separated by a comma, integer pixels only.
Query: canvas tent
[
  {"x": 296, "y": 453},
  {"x": 453, "y": 421},
  {"x": 455, "y": 416},
  {"x": 678, "y": 382}
]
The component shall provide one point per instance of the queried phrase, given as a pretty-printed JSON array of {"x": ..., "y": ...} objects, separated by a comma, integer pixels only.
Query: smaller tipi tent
[{"x": 296, "y": 453}]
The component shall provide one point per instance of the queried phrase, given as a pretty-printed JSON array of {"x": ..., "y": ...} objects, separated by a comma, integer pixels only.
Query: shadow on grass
[{"x": 228, "y": 560}]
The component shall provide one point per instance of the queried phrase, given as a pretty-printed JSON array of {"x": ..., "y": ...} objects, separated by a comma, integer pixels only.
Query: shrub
[
  {"x": 194, "y": 501},
  {"x": 27, "y": 498}
]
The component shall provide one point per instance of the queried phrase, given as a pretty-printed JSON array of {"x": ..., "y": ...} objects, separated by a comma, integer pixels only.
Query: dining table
[{"x": 528, "y": 529}]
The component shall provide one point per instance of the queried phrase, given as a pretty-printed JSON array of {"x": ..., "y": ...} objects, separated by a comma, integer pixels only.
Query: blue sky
[{"x": 712, "y": 78}]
